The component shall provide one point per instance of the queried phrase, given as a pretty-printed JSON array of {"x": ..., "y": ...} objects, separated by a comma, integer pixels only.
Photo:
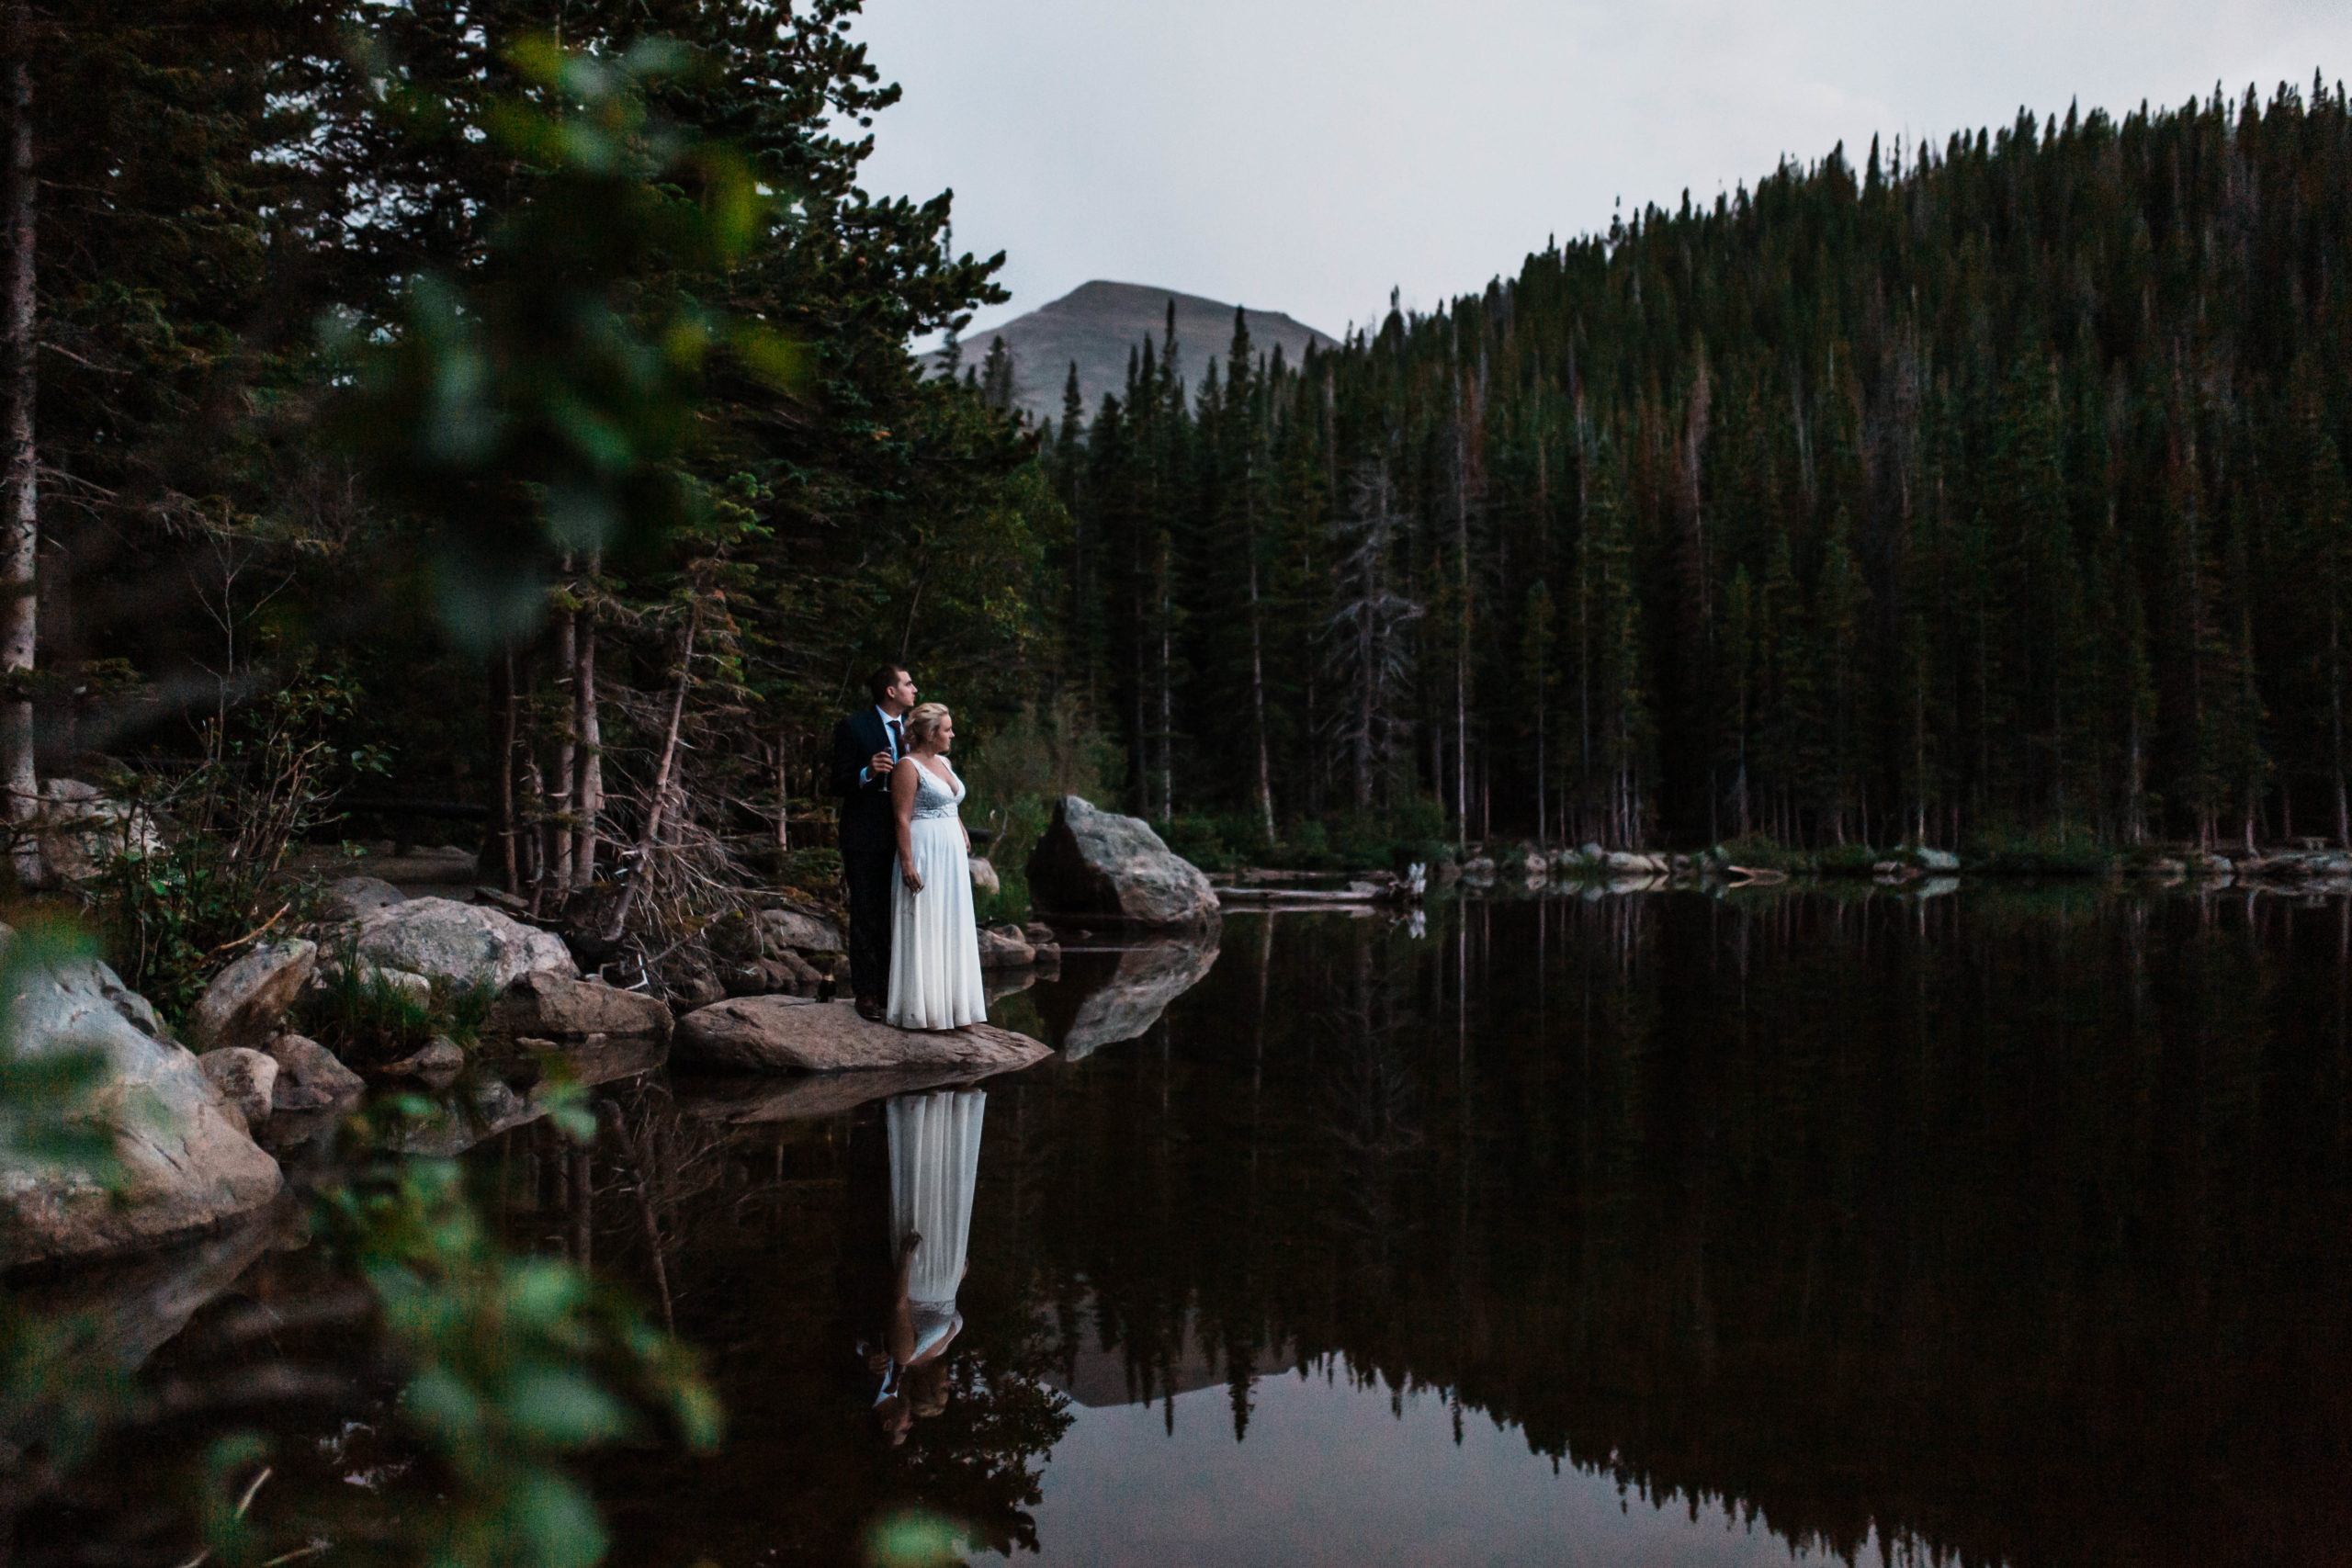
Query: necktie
[{"x": 897, "y": 741}]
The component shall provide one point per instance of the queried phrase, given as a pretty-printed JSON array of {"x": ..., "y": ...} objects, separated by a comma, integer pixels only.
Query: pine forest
[{"x": 1991, "y": 491}]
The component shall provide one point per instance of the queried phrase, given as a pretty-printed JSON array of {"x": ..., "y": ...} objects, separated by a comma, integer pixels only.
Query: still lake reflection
[{"x": 2008, "y": 1226}]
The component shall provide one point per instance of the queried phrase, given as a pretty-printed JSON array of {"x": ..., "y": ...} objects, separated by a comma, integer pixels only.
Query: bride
[{"x": 934, "y": 942}]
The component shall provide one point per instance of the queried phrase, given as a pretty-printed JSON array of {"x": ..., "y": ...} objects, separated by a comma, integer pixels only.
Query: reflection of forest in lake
[{"x": 2014, "y": 1225}]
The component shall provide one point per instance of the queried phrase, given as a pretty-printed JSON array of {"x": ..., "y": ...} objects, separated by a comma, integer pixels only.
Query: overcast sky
[{"x": 1307, "y": 155}]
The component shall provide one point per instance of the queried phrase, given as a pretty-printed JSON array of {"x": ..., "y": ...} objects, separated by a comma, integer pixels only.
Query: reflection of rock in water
[
  {"x": 127, "y": 1310},
  {"x": 1103, "y": 998},
  {"x": 811, "y": 1097},
  {"x": 484, "y": 1105}
]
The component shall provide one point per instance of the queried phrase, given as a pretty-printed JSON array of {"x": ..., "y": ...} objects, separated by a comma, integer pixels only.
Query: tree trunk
[
  {"x": 588, "y": 757},
  {"x": 19, "y": 513},
  {"x": 508, "y": 863},
  {"x": 559, "y": 834},
  {"x": 783, "y": 791}
]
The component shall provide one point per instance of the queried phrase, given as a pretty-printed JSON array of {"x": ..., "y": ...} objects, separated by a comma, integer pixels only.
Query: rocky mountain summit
[{"x": 1098, "y": 324}]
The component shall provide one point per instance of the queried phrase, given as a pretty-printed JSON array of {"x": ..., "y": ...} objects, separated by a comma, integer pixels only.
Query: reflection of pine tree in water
[
  {"x": 1367, "y": 1098},
  {"x": 1847, "y": 1210}
]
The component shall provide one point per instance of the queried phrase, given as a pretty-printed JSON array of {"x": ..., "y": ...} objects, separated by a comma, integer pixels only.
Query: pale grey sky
[{"x": 1304, "y": 155}]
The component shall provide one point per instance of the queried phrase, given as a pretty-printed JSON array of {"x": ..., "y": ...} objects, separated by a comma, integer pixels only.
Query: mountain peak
[{"x": 1098, "y": 324}]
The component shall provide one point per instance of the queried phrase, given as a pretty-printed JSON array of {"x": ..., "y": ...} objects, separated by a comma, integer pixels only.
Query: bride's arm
[{"x": 902, "y": 810}]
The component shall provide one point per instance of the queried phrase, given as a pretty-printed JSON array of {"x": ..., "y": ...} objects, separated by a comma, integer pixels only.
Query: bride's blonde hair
[{"x": 924, "y": 722}]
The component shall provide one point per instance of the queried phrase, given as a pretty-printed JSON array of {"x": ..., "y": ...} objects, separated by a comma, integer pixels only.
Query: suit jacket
[{"x": 865, "y": 818}]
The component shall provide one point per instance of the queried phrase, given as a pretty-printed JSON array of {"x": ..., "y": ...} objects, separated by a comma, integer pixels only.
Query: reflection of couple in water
[{"x": 934, "y": 1161}]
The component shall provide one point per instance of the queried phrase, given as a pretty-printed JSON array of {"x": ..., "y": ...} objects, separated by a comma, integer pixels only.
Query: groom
[{"x": 867, "y": 746}]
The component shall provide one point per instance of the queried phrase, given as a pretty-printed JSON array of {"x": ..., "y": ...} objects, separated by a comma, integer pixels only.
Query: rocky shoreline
[{"x": 491, "y": 1016}]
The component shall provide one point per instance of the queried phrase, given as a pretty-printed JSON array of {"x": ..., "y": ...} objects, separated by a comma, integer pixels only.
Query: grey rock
[
  {"x": 441, "y": 1059},
  {"x": 560, "y": 1006},
  {"x": 798, "y": 930},
  {"x": 1005, "y": 947},
  {"x": 1106, "y": 999},
  {"x": 985, "y": 881},
  {"x": 464, "y": 944},
  {"x": 245, "y": 1078},
  {"x": 1935, "y": 860},
  {"x": 690, "y": 982},
  {"x": 356, "y": 897},
  {"x": 773, "y": 1034},
  {"x": 79, "y": 831},
  {"x": 1113, "y": 870},
  {"x": 248, "y": 1001},
  {"x": 767, "y": 977},
  {"x": 187, "y": 1161},
  {"x": 1477, "y": 870},
  {"x": 309, "y": 1076}
]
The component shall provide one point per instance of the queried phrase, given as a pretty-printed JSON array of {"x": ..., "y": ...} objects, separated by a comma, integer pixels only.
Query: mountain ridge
[{"x": 1100, "y": 323}]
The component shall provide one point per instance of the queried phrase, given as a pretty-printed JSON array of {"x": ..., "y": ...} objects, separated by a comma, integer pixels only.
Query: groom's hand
[{"x": 880, "y": 765}]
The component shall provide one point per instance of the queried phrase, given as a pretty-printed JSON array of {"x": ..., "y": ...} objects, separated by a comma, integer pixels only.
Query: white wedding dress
[
  {"x": 935, "y": 941},
  {"x": 935, "y": 1164}
]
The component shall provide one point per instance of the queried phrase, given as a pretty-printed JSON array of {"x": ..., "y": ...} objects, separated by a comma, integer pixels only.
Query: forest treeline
[{"x": 1994, "y": 488}]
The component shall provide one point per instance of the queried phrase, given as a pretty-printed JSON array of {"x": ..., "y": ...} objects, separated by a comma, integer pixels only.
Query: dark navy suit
[{"x": 869, "y": 839}]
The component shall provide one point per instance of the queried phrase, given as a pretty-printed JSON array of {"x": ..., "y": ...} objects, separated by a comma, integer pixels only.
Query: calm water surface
[
  {"x": 2002, "y": 1226},
  {"x": 1996, "y": 1227}
]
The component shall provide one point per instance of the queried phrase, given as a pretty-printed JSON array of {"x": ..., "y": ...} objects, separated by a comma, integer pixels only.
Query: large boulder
[
  {"x": 248, "y": 1001},
  {"x": 797, "y": 930},
  {"x": 558, "y": 1007},
  {"x": 1107, "y": 869},
  {"x": 794, "y": 1034},
  {"x": 464, "y": 944},
  {"x": 1104, "y": 998},
  {"x": 187, "y": 1160}
]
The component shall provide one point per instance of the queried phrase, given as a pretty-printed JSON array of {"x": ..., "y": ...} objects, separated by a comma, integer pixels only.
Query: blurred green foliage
[
  {"x": 515, "y": 1362},
  {"x": 534, "y": 406}
]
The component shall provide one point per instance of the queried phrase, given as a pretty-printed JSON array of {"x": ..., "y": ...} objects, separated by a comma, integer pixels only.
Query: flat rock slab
[{"x": 794, "y": 1034}]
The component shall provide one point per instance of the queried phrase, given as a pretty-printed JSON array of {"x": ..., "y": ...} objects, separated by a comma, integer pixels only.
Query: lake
[
  {"x": 2007, "y": 1225},
  {"x": 2004, "y": 1227}
]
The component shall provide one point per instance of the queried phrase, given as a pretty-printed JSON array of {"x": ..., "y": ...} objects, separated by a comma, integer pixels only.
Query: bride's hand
[{"x": 912, "y": 878}]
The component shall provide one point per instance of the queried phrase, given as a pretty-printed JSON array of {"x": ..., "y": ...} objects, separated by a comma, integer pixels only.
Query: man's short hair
[{"x": 878, "y": 684}]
